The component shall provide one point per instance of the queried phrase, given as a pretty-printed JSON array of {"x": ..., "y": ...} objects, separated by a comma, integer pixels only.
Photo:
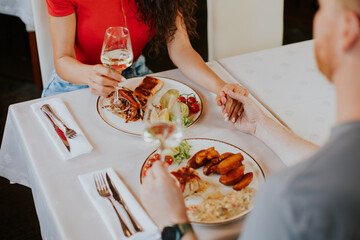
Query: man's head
[{"x": 336, "y": 32}]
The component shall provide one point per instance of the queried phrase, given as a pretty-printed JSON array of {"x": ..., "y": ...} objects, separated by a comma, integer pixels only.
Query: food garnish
[
  {"x": 162, "y": 116},
  {"x": 181, "y": 152},
  {"x": 187, "y": 102},
  {"x": 190, "y": 101},
  {"x": 165, "y": 99},
  {"x": 176, "y": 155}
]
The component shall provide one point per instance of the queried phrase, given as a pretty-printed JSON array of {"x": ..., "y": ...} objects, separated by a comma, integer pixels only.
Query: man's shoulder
[{"x": 318, "y": 197}]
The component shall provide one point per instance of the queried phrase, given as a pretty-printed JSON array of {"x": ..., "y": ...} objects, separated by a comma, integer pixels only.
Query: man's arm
[{"x": 286, "y": 144}]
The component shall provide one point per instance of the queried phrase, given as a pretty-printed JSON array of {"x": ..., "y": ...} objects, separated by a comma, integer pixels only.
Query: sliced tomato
[
  {"x": 181, "y": 99},
  {"x": 191, "y": 100},
  {"x": 150, "y": 162},
  {"x": 145, "y": 169},
  {"x": 194, "y": 108},
  {"x": 156, "y": 156},
  {"x": 169, "y": 159}
]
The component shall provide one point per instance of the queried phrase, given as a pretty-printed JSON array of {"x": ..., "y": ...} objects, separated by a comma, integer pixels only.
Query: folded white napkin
[
  {"x": 78, "y": 145},
  {"x": 108, "y": 214}
]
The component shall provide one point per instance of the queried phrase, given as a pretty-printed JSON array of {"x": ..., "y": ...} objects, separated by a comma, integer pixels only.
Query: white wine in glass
[
  {"x": 117, "y": 51},
  {"x": 117, "y": 54},
  {"x": 163, "y": 133},
  {"x": 118, "y": 59}
]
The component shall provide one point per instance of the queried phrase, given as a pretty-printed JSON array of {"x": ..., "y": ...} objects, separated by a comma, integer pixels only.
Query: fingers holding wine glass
[
  {"x": 103, "y": 81},
  {"x": 109, "y": 73}
]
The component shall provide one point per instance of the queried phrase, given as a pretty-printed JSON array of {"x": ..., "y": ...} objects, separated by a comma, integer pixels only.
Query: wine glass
[
  {"x": 163, "y": 127},
  {"x": 117, "y": 54}
]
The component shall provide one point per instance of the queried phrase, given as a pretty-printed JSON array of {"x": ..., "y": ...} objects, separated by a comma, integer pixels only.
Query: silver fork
[
  {"x": 69, "y": 133},
  {"x": 103, "y": 190}
]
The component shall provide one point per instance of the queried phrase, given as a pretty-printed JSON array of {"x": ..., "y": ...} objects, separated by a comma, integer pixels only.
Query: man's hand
[
  {"x": 162, "y": 198},
  {"x": 102, "y": 80},
  {"x": 250, "y": 115},
  {"x": 230, "y": 107}
]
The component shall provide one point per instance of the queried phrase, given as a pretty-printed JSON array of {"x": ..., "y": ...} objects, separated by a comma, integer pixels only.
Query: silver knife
[
  {"x": 59, "y": 132},
  {"x": 118, "y": 198}
]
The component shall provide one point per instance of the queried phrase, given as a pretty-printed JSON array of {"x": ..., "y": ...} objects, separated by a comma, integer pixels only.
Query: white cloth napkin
[
  {"x": 78, "y": 145},
  {"x": 108, "y": 214}
]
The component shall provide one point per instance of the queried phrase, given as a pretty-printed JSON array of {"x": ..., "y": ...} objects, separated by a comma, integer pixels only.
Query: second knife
[{"x": 118, "y": 198}]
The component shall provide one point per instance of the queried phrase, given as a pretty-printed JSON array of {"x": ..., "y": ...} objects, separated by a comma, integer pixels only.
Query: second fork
[{"x": 103, "y": 190}]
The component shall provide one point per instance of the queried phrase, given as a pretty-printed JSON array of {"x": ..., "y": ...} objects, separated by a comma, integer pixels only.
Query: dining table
[{"x": 284, "y": 81}]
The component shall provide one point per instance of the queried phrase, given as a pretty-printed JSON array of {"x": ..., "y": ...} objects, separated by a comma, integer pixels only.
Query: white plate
[
  {"x": 251, "y": 165},
  {"x": 136, "y": 128}
]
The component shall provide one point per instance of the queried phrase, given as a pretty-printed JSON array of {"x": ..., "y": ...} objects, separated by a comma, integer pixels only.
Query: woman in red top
[{"x": 77, "y": 32}]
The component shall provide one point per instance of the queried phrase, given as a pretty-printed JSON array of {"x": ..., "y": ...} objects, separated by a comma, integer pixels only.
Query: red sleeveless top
[{"x": 93, "y": 18}]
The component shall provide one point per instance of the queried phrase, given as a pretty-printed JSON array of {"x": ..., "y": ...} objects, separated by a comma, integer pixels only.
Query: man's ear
[{"x": 351, "y": 30}]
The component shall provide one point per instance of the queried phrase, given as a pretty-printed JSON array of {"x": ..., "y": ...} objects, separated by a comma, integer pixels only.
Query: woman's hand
[
  {"x": 230, "y": 107},
  {"x": 102, "y": 80},
  {"x": 250, "y": 116},
  {"x": 162, "y": 198}
]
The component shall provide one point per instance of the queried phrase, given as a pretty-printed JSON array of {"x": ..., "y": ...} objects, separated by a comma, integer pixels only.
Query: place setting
[
  {"x": 61, "y": 128},
  {"x": 122, "y": 214}
]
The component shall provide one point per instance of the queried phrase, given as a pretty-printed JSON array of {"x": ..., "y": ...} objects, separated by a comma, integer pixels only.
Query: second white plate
[{"x": 251, "y": 165}]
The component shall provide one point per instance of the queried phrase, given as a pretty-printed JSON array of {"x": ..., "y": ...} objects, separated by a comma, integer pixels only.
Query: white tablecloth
[
  {"x": 64, "y": 211},
  {"x": 287, "y": 81},
  {"x": 19, "y": 8}
]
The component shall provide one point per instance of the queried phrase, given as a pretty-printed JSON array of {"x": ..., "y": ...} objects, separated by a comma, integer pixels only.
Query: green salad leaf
[
  {"x": 187, "y": 121},
  {"x": 181, "y": 152}
]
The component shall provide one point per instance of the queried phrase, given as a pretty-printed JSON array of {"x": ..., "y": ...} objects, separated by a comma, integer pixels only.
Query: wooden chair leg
[{"x": 35, "y": 60}]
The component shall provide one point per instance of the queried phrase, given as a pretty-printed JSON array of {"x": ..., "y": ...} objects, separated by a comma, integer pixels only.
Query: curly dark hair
[{"x": 161, "y": 15}]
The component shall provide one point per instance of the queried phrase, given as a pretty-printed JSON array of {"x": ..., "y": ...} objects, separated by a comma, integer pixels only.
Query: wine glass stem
[
  {"x": 161, "y": 150},
  {"x": 117, "y": 93}
]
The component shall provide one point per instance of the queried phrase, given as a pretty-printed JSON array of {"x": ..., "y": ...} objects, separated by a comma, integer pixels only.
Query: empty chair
[
  {"x": 242, "y": 26},
  {"x": 43, "y": 39}
]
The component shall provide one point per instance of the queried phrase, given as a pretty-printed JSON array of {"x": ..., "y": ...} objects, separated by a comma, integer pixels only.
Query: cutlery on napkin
[
  {"x": 107, "y": 213},
  {"x": 59, "y": 132},
  {"x": 119, "y": 199},
  {"x": 78, "y": 145}
]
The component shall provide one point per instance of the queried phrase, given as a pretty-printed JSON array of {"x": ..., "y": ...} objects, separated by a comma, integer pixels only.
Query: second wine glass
[{"x": 163, "y": 127}]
